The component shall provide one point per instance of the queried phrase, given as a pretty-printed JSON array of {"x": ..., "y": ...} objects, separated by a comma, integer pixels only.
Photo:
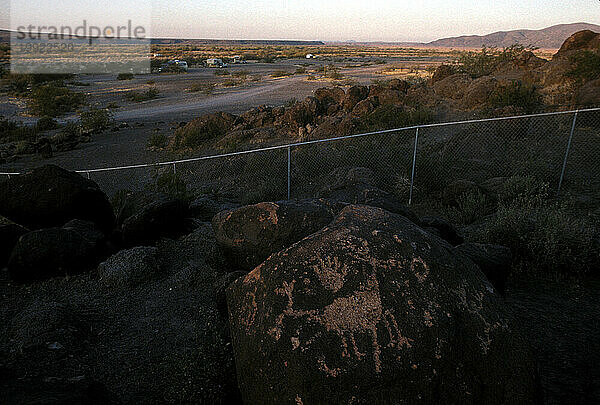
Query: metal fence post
[
  {"x": 564, "y": 167},
  {"x": 412, "y": 177},
  {"x": 289, "y": 172},
  {"x": 174, "y": 169}
]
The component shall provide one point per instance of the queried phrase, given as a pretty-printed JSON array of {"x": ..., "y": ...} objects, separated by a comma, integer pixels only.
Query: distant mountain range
[{"x": 547, "y": 38}]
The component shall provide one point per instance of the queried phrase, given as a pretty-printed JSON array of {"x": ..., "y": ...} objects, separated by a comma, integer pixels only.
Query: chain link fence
[{"x": 415, "y": 163}]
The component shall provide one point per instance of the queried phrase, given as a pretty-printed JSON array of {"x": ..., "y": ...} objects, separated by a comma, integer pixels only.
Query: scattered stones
[{"x": 129, "y": 268}]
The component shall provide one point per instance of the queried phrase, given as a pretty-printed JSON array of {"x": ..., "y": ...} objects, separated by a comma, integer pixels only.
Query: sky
[{"x": 327, "y": 20}]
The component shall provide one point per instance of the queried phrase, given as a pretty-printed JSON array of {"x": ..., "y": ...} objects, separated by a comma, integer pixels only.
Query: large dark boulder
[
  {"x": 442, "y": 228},
  {"x": 50, "y": 196},
  {"x": 52, "y": 252},
  {"x": 205, "y": 208},
  {"x": 329, "y": 96},
  {"x": 371, "y": 309},
  {"x": 129, "y": 268},
  {"x": 220, "y": 290},
  {"x": 494, "y": 260},
  {"x": 354, "y": 95},
  {"x": 164, "y": 217},
  {"x": 250, "y": 234},
  {"x": 9, "y": 235}
]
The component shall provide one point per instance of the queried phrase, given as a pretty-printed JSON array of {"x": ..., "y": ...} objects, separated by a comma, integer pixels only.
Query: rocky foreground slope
[{"x": 343, "y": 303}]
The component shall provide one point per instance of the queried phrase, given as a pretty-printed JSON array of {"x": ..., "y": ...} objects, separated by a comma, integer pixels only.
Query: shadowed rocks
[
  {"x": 371, "y": 309},
  {"x": 250, "y": 234},
  {"x": 50, "y": 196}
]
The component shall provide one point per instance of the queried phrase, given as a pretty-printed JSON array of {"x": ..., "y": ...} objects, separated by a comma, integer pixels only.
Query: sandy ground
[{"x": 177, "y": 104}]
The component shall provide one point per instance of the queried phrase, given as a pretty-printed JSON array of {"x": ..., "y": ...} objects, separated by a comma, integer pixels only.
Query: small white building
[{"x": 310, "y": 56}]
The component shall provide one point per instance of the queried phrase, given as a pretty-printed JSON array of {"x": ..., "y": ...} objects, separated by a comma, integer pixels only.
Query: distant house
[
  {"x": 215, "y": 63},
  {"x": 174, "y": 66}
]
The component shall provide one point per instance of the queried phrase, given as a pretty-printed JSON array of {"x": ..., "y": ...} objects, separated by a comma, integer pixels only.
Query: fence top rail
[{"x": 317, "y": 141}]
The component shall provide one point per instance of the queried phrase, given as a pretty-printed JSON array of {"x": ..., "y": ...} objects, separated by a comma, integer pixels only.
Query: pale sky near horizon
[{"x": 327, "y": 20}]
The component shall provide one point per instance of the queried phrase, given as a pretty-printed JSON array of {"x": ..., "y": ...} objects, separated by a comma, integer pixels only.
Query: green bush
[
  {"x": 472, "y": 206},
  {"x": 53, "y": 100},
  {"x": 222, "y": 72},
  {"x": 280, "y": 73},
  {"x": 95, "y": 119},
  {"x": 20, "y": 85},
  {"x": 125, "y": 76},
  {"x": 392, "y": 116},
  {"x": 204, "y": 88},
  {"x": 524, "y": 187},
  {"x": 158, "y": 141},
  {"x": 517, "y": 94},
  {"x": 11, "y": 131},
  {"x": 169, "y": 183},
  {"x": 484, "y": 62},
  {"x": 46, "y": 124},
  {"x": 545, "y": 237},
  {"x": 586, "y": 66},
  {"x": 146, "y": 95},
  {"x": 230, "y": 83}
]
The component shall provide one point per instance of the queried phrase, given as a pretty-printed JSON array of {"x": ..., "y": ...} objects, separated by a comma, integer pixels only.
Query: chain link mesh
[{"x": 545, "y": 147}]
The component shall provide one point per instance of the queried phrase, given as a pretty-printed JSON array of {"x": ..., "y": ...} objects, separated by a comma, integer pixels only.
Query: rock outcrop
[
  {"x": 371, "y": 309},
  {"x": 52, "y": 252},
  {"x": 250, "y": 234},
  {"x": 50, "y": 196}
]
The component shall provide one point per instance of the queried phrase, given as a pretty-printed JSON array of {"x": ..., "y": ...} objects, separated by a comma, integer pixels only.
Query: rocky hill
[{"x": 547, "y": 38}]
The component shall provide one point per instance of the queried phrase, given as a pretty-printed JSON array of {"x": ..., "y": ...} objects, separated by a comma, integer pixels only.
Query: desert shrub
[
  {"x": 46, "y": 124},
  {"x": 125, "y": 76},
  {"x": 484, "y": 62},
  {"x": 471, "y": 207},
  {"x": 169, "y": 183},
  {"x": 222, "y": 72},
  {"x": 585, "y": 66},
  {"x": 146, "y": 95},
  {"x": 392, "y": 116},
  {"x": 12, "y": 131},
  {"x": 193, "y": 135},
  {"x": 335, "y": 75},
  {"x": 300, "y": 70},
  {"x": 544, "y": 237},
  {"x": 95, "y": 119},
  {"x": 230, "y": 83},
  {"x": 158, "y": 141},
  {"x": 280, "y": 73},
  {"x": 517, "y": 94},
  {"x": 240, "y": 73},
  {"x": 53, "y": 100},
  {"x": 71, "y": 130},
  {"x": 21, "y": 84},
  {"x": 523, "y": 187},
  {"x": 204, "y": 88}
]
